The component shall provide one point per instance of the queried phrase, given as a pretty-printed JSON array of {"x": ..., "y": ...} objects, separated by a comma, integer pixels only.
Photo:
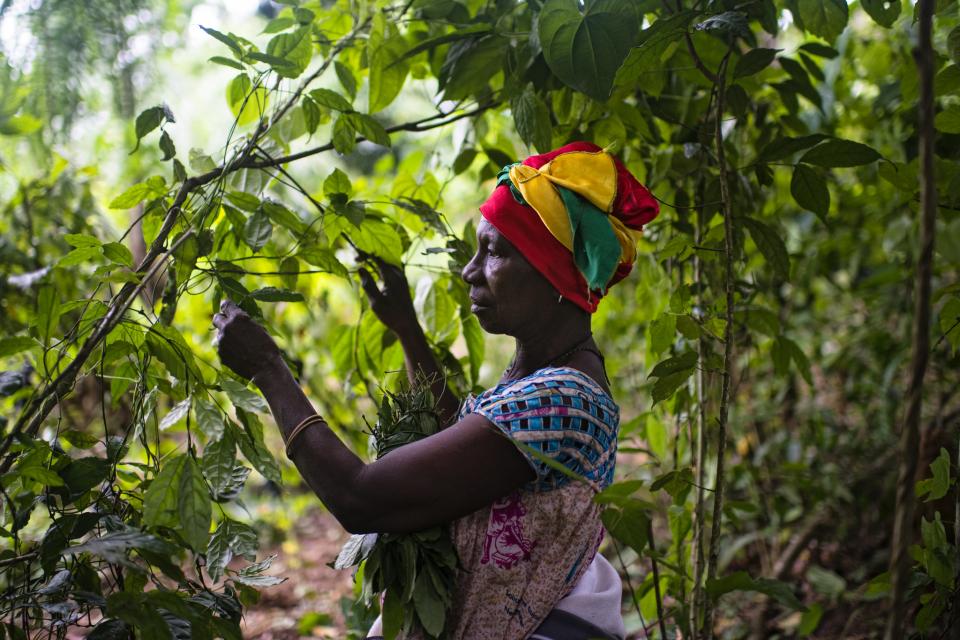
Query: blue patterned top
[{"x": 562, "y": 414}]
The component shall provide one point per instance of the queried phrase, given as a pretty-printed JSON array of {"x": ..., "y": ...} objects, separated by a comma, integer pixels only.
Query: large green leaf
[
  {"x": 160, "y": 501},
  {"x": 586, "y": 49},
  {"x": 840, "y": 153},
  {"x": 883, "y": 12},
  {"x": 810, "y": 191},
  {"x": 194, "y": 505},
  {"x": 388, "y": 67},
  {"x": 771, "y": 245},
  {"x": 741, "y": 581},
  {"x": 294, "y": 48},
  {"x": 532, "y": 119},
  {"x": 824, "y": 18}
]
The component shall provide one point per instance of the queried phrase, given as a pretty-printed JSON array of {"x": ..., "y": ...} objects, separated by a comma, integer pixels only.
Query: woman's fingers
[{"x": 369, "y": 285}]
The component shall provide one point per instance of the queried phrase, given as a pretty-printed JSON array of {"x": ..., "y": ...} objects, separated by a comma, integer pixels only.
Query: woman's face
[{"x": 509, "y": 296}]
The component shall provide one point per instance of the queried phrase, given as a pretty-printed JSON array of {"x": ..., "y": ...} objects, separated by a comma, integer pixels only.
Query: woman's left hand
[{"x": 243, "y": 345}]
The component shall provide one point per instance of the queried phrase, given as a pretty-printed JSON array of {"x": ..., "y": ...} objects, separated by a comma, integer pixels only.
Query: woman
[{"x": 554, "y": 235}]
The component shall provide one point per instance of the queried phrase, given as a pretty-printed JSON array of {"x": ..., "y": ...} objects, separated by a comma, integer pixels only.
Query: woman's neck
[{"x": 548, "y": 344}]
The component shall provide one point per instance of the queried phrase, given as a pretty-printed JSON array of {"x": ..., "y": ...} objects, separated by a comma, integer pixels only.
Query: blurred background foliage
[{"x": 160, "y": 156}]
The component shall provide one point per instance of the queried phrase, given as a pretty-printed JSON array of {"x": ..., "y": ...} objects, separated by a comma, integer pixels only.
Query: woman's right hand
[{"x": 392, "y": 303}]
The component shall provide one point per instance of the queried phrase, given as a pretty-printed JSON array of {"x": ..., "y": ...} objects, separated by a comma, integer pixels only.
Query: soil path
[{"x": 311, "y": 586}]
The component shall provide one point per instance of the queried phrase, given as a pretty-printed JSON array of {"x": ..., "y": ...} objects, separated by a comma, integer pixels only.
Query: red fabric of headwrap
[{"x": 521, "y": 225}]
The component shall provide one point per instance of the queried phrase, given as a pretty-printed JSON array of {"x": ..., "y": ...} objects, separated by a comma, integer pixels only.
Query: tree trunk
[{"x": 910, "y": 435}]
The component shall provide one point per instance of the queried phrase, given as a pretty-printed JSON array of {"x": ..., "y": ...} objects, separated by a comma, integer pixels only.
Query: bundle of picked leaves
[{"x": 414, "y": 571}]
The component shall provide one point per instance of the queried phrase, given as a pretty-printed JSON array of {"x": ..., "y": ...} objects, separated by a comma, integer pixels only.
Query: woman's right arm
[{"x": 394, "y": 307}]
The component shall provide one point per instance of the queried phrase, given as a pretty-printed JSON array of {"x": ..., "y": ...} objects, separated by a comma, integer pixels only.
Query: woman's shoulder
[{"x": 545, "y": 379}]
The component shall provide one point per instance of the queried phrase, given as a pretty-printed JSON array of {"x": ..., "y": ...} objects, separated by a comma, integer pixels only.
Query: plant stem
[
  {"x": 727, "y": 374},
  {"x": 910, "y": 435}
]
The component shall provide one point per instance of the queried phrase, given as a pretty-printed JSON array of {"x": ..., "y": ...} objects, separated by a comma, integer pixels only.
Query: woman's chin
[{"x": 487, "y": 318}]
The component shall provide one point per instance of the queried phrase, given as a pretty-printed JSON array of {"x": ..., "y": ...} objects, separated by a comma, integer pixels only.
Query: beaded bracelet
[{"x": 306, "y": 422}]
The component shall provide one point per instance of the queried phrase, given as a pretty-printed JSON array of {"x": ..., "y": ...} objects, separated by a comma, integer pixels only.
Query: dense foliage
[{"x": 759, "y": 350}]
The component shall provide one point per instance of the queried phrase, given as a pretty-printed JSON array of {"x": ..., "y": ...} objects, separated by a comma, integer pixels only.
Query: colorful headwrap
[{"x": 572, "y": 213}]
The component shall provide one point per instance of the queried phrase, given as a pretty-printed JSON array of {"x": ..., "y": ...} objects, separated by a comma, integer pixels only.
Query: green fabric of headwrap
[{"x": 596, "y": 250}]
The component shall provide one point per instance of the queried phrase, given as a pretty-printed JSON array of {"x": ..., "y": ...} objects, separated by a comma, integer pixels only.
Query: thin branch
[
  {"x": 415, "y": 126},
  {"x": 728, "y": 354}
]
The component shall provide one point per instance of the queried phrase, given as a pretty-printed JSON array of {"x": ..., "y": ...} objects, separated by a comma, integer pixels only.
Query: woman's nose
[{"x": 470, "y": 270}]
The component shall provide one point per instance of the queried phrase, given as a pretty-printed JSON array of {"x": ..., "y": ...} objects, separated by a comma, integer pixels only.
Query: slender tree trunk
[
  {"x": 728, "y": 354},
  {"x": 910, "y": 434},
  {"x": 696, "y": 551}
]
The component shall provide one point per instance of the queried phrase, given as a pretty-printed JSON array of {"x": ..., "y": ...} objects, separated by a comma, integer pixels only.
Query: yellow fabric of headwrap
[{"x": 590, "y": 174}]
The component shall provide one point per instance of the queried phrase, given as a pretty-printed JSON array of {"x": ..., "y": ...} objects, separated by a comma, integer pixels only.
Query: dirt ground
[{"x": 311, "y": 586}]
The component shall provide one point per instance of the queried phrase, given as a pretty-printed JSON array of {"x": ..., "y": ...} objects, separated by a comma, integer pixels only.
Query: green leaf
[
  {"x": 194, "y": 505},
  {"x": 119, "y": 254},
  {"x": 948, "y": 120},
  {"x": 247, "y": 102},
  {"x": 346, "y": 78},
  {"x": 230, "y": 538},
  {"x": 810, "y": 620},
  {"x": 242, "y": 397},
  {"x": 754, "y": 61},
  {"x": 331, "y": 100},
  {"x": 160, "y": 501},
  {"x": 219, "y": 458},
  {"x": 167, "y": 147},
  {"x": 388, "y": 69},
  {"x": 344, "y": 135},
  {"x": 645, "y": 61},
  {"x": 430, "y": 608},
  {"x": 585, "y": 50},
  {"x": 810, "y": 191},
  {"x": 532, "y": 119},
  {"x": 209, "y": 419},
  {"x": 380, "y": 239},
  {"x": 79, "y": 256},
  {"x": 175, "y": 415},
  {"x": 883, "y": 12},
  {"x": 840, "y": 153},
  {"x": 687, "y": 360},
  {"x": 629, "y": 524},
  {"x": 131, "y": 197},
  {"x": 953, "y": 41},
  {"x": 227, "y": 62},
  {"x": 253, "y": 448},
  {"x": 940, "y": 478},
  {"x": 392, "y": 614},
  {"x": 337, "y": 183},
  {"x": 820, "y": 50},
  {"x": 225, "y": 39},
  {"x": 257, "y": 231},
  {"x": 785, "y": 147},
  {"x": 16, "y": 344},
  {"x": 473, "y": 335},
  {"x": 667, "y": 385},
  {"x": 369, "y": 128},
  {"x": 150, "y": 119},
  {"x": 662, "y": 332},
  {"x": 311, "y": 114},
  {"x": 295, "y": 48},
  {"x": 741, "y": 581},
  {"x": 950, "y": 321},
  {"x": 284, "y": 217},
  {"x": 81, "y": 240},
  {"x": 826, "y": 582},
  {"x": 48, "y": 312},
  {"x": 273, "y": 294},
  {"x": 771, "y": 245},
  {"x": 824, "y": 18},
  {"x": 243, "y": 200}
]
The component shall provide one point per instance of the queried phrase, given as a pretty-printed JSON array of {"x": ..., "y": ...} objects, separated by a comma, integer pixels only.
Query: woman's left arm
[{"x": 428, "y": 482}]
